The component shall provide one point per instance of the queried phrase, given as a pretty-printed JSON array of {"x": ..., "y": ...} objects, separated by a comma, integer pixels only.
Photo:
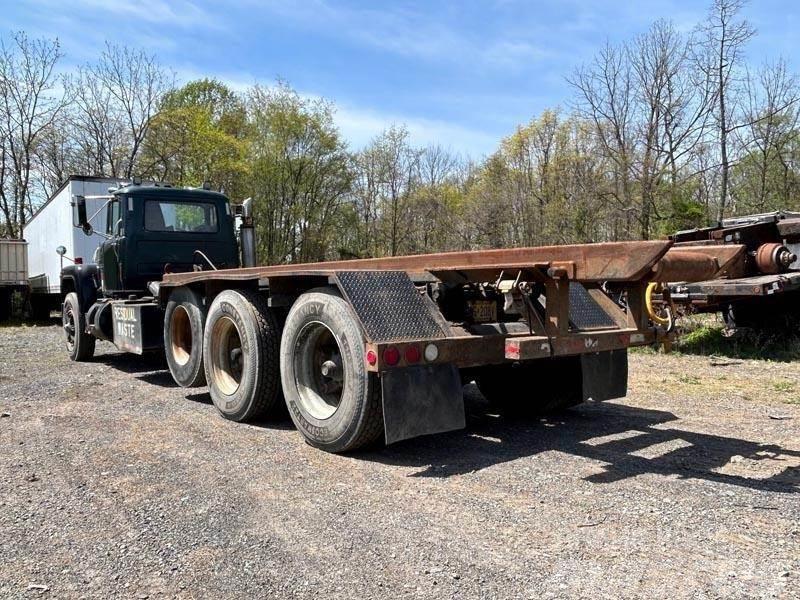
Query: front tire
[
  {"x": 332, "y": 398},
  {"x": 183, "y": 337},
  {"x": 240, "y": 350},
  {"x": 80, "y": 344}
]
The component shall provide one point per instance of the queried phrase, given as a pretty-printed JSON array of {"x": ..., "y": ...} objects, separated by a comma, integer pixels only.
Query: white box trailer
[{"x": 52, "y": 226}]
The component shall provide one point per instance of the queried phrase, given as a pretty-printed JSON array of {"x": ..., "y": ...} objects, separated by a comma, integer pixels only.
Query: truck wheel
[
  {"x": 79, "y": 343},
  {"x": 240, "y": 348},
  {"x": 536, "y": 388},
  {"x": 332, "y": 399},
  {"x": 183, "y": 337}
]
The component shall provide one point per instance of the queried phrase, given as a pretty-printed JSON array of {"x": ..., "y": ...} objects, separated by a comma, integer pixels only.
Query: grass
[{"x": 707, "y": 336}]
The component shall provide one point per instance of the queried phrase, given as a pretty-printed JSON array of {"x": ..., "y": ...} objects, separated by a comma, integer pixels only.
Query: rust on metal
[
  {"x": 533, "y": 347},
  {"x": 699, "y": 263},
  {"x": 611, "y": 261},
  {"x": 774, "y": 257}
]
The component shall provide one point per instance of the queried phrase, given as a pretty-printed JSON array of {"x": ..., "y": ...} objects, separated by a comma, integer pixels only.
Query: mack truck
[{"x": 367, "y": 350}]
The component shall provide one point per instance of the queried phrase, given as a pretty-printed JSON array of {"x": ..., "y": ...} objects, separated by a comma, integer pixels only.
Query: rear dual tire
[
  {"x": 183, "y": 337},
  {"x": 240, "y": 351},
  {"x": 332, "y": 399}
]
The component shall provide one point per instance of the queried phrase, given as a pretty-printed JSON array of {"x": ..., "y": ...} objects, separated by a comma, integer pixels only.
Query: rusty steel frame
[
  {"x": 610, "y": 261},
  {"x": 632, "y": 265}
]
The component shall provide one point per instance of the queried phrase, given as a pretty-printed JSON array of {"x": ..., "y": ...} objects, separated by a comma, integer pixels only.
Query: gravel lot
[{"x": 114, "y": 482}]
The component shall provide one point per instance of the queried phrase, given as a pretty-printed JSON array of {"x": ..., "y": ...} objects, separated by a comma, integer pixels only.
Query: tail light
[
  {"x": 412, "y": 354},
  {"x": 391, "y": 356},
  {"x": 78, "y": 260},
  {"x": 372, "y": 358}
]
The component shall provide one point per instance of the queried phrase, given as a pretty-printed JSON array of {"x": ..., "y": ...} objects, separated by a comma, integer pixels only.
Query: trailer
[
  {"x": 762, "y": 288},
  {"x": 369, "y": 350},
  {"x": 52, "y": 228},
  {"x": 13, "y": 274}
]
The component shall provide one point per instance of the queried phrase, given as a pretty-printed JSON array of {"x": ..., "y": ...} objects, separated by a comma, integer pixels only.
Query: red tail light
[
  {"x": 412, "y": 354},
  {"x": 78, "y": 260},
  {"x": 391, "y": 356},
  {"x": 372, "y": 358}
]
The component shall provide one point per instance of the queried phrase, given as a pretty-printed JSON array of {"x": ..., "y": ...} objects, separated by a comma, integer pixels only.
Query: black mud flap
[
  {"x": 605, "y": 375},
  {"x": 422, "y": 400}
]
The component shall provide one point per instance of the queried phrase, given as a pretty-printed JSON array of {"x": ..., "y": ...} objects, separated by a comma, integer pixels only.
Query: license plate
[{"x": 483, "y": 311}]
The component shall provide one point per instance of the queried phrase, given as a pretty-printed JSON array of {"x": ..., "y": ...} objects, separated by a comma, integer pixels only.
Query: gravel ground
[{"x": 114, "y": 482}]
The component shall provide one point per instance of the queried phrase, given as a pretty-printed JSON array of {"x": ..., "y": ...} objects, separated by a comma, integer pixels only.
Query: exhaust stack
[{"x": 247, "y": 234}]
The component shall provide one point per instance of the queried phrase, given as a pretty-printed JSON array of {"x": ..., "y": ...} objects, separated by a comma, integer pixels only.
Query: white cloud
[
  {"x": 176, "y": 13},
  {"x": 406, "y": 33},
  {"x": 359, "y": 126}
]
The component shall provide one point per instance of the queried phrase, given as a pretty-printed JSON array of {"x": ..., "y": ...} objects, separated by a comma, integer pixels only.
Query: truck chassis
[{"x": 371, "y": 349}]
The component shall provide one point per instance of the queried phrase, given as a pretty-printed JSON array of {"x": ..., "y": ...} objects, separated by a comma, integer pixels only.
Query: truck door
[{"x": 109, "y": 258}]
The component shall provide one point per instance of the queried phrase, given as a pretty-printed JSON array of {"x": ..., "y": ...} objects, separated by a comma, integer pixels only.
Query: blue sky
[{"x": 462, "y": 74}]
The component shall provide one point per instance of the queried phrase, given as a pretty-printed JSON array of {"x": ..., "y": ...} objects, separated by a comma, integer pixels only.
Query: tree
[
  {"x": 723, "y": 37},
  {"x": 299, "y": 174},
  {"x": 763, "y": 178},
  {"x": 198, "y": 135},
  {"x": 116, "y": 100},
  {"x": 30, "y": 102}
]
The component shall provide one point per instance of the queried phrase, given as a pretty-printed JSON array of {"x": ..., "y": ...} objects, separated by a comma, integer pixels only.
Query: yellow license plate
[{"x": 483, "y": 311}]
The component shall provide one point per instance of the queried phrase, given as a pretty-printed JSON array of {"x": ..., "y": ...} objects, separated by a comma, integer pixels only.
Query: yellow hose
[{"x": 652, "y": 288}]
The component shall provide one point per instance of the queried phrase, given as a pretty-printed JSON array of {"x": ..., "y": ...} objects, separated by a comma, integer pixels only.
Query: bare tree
[
  {"x": 605, "y": 90},
  {"x": 31, "y": 99},
  {"x": 771, "y": 121},
  {"x": 723, "y": 37},
  {"x": 116, "y": 99}
]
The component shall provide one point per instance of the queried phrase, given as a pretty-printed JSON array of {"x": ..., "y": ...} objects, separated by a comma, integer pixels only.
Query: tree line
[{"x": 669, "y": 130}]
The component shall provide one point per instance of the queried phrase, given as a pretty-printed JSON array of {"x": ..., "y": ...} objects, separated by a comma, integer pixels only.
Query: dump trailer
[
  {"x": 761, "y": 289},
  {"x": 13, "y": 274},
  {"x": 361, "y": 350}
]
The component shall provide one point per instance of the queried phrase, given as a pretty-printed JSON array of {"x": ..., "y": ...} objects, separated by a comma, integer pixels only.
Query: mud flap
[
  {"x": 605, "y": 375},
  {"x": 422, "y": 400}
]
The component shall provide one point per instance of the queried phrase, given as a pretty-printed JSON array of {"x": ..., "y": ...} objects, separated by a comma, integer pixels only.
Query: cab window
[
  {"x": 186, "y": 217},
  {"x": 113, "y": 216}
]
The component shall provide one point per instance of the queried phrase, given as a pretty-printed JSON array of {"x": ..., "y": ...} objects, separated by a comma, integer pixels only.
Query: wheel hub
[{"x": 319, "y": 370}]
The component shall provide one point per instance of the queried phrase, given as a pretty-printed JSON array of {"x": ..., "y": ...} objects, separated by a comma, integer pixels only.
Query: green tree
[
  {"x": 198, "y": 135},
  {"x": 299, "y": 175}
]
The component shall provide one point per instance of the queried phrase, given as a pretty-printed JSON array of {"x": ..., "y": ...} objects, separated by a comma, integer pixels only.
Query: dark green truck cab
[
  {"x": 156, "y": 229},
  {"x": 151, "y": 230}
]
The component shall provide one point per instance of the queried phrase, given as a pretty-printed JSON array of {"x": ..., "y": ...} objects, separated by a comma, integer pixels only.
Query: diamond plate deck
[
  {"x": 584, "y": 312},
  {"x": 389, "y": 306}
]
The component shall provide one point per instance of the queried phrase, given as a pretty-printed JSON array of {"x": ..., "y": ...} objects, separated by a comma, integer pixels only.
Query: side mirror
[
  {"x": 81, "y": 219},
  {"x": 61, "y": 251}
]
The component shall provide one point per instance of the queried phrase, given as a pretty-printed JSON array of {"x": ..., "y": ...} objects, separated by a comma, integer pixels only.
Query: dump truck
[
  {"x": 368, "y": 350},
  {"x": 759, "y": 290}
]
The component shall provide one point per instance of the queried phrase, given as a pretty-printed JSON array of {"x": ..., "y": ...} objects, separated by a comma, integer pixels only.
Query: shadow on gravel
[
  {"x": 277, "y": 420},
  {"x": 150, "y": 368},
  {"x": 613, "y": 434}
]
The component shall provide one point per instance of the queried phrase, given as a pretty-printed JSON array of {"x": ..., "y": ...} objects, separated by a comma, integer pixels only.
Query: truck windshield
[{"x": 167, "y": 215}]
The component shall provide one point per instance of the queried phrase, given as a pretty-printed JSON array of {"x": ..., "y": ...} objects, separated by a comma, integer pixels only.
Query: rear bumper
[{"x": 480, "y": 350}]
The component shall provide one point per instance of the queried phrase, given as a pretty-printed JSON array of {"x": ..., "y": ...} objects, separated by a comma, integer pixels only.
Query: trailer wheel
[
  {"x": 80, "y": 344},
  {"x": 332, "y": 398},
  {"x": 536, "y": 388},
  {"x": 240, "y": 347},
  {"x": 183, "y": 337}
]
